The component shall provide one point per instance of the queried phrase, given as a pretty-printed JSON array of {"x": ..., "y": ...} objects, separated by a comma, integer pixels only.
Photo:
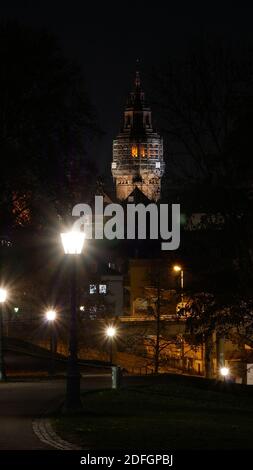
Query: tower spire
[
  {"x": 138, "y": 149},
  {"x": 137, "y": 75}
]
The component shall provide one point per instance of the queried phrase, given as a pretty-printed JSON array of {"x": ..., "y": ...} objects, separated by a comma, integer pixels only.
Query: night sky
[{"x": 107, "y": 39}]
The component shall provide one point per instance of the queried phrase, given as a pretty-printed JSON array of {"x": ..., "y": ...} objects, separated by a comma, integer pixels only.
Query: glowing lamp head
[
  {"x": 224, "y": 371},
  {"x": 3, "y": 295},
  {"x": 73, "y": 242},
  {"x": 177, "y": 268},
  {"x": 51, "y": 315},
  {"x": 111, "y": 331}
]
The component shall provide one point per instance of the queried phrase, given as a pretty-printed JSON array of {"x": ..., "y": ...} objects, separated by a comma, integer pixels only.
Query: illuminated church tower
[{"x": 137, "y": 150}]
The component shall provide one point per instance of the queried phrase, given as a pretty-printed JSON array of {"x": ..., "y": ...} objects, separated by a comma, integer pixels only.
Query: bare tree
[
  {"x": 160, "y": 300},
  {"x": 200, "y": 98}
]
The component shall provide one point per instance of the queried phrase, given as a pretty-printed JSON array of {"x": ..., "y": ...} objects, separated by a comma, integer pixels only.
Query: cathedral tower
[{"x": 137, "y": 150}]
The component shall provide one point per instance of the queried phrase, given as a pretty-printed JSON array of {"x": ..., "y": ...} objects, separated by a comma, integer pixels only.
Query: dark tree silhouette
[
  {"x": 45, "y": 120},
  {"x": 200, "y": 97}
]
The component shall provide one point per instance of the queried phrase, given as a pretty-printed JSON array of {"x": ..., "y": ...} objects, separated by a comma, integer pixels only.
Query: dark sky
[{"x": 107, "y": 39}]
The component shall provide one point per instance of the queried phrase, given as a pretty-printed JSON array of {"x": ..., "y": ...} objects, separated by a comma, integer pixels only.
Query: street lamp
[
  {"x": 51, "y": 317},
  {"x": 73, "y": 244},
  {"x": 3, "y": 298},
  {"x": 111, "y": 333},
  {"x": 224, "y": 372},
  {"x": 178, "y": 269}
]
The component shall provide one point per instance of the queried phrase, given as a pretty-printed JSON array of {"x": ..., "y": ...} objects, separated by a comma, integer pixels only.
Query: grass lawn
[{"x": 176, "y": 415}]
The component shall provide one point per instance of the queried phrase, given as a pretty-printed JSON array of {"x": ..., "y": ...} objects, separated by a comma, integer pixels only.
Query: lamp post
[
  {"x": 110, "y": 333},
  {"x": 224, "y": 372},
  {"x": 51, "y": 317},
  {"x": 178, "y": 269},
  {"x": 73, "y": 244},
  {"x": 3, "y": 297}
]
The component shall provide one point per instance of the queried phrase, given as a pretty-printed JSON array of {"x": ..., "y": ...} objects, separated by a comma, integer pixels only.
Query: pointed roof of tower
[
  {"x": 137, "y": 80},
  {"x": 137, "y": 97},
  {"x": 137, "y": 114},
  {"x": 137, "y": 74}
]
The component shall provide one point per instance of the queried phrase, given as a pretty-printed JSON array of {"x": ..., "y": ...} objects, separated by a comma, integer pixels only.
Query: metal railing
[{"x": 140, "y": 318}]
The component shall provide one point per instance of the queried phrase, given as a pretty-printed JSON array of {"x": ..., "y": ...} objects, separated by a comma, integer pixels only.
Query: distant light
[
  {"x": 3, "y": 295},
  {"x": 177, "y": 268},
  {"x": 102, "y": 288},
  {"x": 51, "y": 315},
  {"x": 16, "y": 309},
  {"x": 82, "y": 308},
  {"x": 93, "y": 288},
  {"x": 224, "y": 371},
  {"x": 73, "y": 242},
  {"x": 111, "y": 331}
]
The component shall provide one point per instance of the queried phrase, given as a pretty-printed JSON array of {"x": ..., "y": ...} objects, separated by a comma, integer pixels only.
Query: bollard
[{"x": 116, "y": 377}]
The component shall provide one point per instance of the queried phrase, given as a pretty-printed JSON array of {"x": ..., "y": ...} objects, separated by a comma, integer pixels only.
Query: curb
[{"x": 43, "y": 429}]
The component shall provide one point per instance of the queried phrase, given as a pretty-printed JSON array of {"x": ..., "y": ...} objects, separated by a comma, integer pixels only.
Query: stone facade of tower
[{"x": 137, "y": 150}]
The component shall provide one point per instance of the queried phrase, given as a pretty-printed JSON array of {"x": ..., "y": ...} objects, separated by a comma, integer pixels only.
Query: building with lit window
[
  {"x": 102, "y": 297},
  {"x": 138, "y": 150}
]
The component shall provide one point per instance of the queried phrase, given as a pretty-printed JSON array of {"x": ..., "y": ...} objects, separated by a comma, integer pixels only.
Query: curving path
[{"x": 22, "y": 402}]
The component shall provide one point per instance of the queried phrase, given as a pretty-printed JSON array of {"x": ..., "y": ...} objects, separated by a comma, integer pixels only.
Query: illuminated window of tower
[
  {"x": 142, "y": 150},
  {"x": 134, "y": 151}
]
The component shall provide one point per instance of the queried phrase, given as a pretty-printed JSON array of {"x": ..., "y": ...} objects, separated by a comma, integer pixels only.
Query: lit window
[
  {"x": 143, "y": 153},
  {"x": 157, "y": 165},
  {"x": 114, "y": 165},
  {"x": 102, "y": 288},
  {"x": 111, "y": 265},
  {"x": 93, "y": 313},
  {"x": 134, "y": 151},
  {"x": 93, "y": 288}
]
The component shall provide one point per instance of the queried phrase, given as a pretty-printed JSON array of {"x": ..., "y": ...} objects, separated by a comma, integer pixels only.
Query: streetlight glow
[
  {"x": 51, "y": 315},
  {"x": 73, "y": 242},
  {"x": 177, "y": 268},
  {"x": 111, "y": 331},
  {"x": 3, "y": 295},
  {"x": 224, "y": 371}
]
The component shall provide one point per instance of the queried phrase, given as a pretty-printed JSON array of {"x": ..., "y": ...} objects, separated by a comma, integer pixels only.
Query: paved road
[{"x": 21, "y": 402}]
